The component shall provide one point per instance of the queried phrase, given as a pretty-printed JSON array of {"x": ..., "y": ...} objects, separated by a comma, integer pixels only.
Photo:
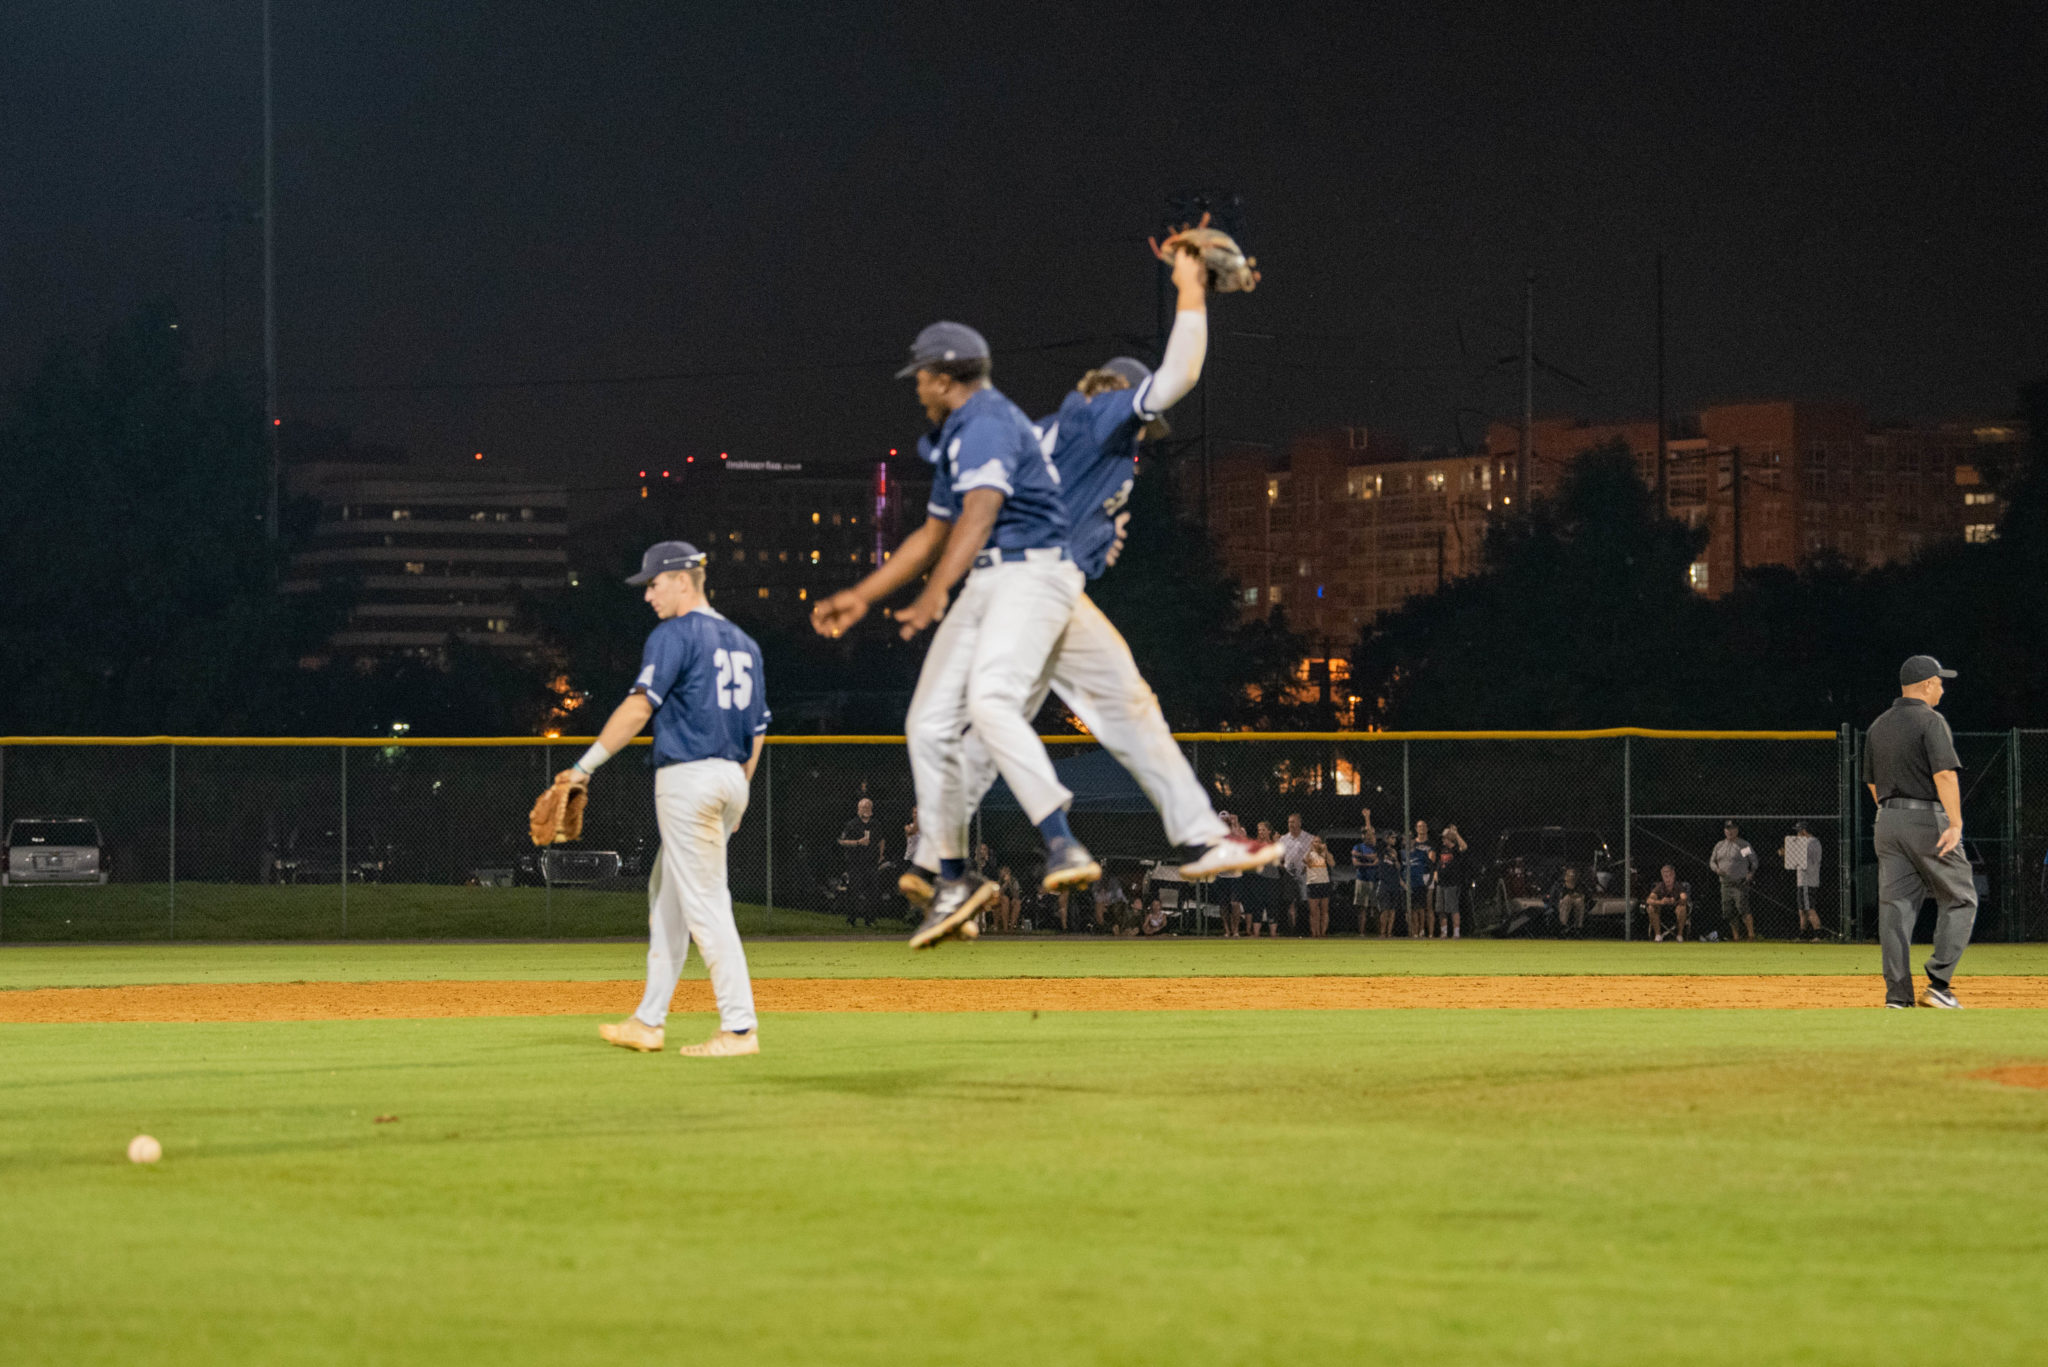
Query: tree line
[{"x": 141, "y": 597}]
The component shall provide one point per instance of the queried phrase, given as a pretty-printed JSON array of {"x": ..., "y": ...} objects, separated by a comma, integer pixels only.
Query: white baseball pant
[
  {"x": 1092, "y": 670},
  {"x": 985, "y": 661},
  {"x": 697, "y": 806}
]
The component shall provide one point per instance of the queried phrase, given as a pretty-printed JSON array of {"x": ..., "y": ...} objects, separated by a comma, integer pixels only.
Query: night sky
[{"x": 772, "y": 199}]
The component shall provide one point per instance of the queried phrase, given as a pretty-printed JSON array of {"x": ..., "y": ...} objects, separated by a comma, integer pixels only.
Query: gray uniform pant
[{"x": 1908, "y": 873}]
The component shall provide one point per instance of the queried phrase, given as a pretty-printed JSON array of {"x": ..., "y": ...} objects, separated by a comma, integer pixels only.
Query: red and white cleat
[{"x": 1232, "y": 854}]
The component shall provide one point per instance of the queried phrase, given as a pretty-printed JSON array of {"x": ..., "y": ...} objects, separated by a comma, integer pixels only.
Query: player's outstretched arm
[
  {"x": 835, "y": 615},
  {"x": 1180, "y": 368},
  {"x": 977, "y": 518},
  {"x": 625, "y": 723}
]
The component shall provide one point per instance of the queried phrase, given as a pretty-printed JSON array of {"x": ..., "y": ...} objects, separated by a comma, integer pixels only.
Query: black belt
[{"x": 1911, "y": 804}]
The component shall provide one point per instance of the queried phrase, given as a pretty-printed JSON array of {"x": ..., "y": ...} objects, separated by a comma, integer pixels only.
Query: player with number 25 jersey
[{"x": 703, "y": 675}]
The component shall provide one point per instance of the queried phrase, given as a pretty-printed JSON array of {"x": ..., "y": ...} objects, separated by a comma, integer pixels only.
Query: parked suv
[{"x": 53, "y": 849}]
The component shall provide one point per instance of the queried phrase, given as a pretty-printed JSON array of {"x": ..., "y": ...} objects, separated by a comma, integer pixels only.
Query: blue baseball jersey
[
  {"x": 988, "y": 443},
  {"x": 703, "y": 675},
  {"x": 1093, "y": 443}
]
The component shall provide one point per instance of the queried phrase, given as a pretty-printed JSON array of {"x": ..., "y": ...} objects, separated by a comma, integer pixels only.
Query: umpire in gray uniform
[{"x": 1910, "y": 765}]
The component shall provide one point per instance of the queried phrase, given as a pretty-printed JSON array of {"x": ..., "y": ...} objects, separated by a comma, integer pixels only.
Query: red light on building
[
  {"x": 664, "y": 474},
  {"x": 643, "y": 474},
  {"x": 892, "y": 450},
  {"x": 721, "y": 455},
  {"x": 479, "y": 455},
  {"x": 277, "y": 422}
]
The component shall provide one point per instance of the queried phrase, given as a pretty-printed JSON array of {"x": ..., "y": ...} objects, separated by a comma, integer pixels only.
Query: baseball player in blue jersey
[
  {"x": 995, "y": 510},
  {"x": 700, "y": 681},
  {"x": 1093, "y": 443}
]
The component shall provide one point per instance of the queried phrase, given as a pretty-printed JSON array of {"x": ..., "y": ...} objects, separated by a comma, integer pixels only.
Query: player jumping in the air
[
  {"x": 1093, "y": 442},
  {"x": 995, "y": 509},
  {"x": 701, "y": 681}
]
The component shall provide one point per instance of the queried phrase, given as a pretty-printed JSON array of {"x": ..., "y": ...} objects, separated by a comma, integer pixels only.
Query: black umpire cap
[
  {"x": 663, "y": 556},
  {"x": 1921, "y": 668}
]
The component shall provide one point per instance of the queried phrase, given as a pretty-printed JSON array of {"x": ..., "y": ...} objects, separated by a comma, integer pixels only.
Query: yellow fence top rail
[{"x": 1225, "y": 737}]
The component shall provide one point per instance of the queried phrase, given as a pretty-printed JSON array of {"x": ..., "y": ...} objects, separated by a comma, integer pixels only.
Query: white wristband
[{"x": 593, "y": 757}]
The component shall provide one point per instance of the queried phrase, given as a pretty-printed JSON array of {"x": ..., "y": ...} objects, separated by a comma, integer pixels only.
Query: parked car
[{"x": 53, "y": 849}]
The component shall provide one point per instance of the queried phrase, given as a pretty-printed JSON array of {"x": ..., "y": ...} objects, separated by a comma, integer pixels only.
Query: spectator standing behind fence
[
  {"x": 1801, "y": 853},
  {"x": 1316, "y": 880},
  {"x": 1365, "y": 862},
  {"x": 1391, "y": 883},
  {"x": 1419, "y": 863},
  {"x": 1294, "y": 848},
  {"x": 1229, "y": 886},
  {"x": 1571, "y": 904},
  {"x": 1734, "y": 860},
  {"x": 1262, "y": 893},
  {"x": 1668, "y": 894},
  {"x": 1450, "y": 880},
  {"x": 863, "y": 859}
]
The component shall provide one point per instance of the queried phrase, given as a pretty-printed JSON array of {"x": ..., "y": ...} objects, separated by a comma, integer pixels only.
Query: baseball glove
[
  {"x": 1230, "y": 270},
  {"x": 557, "y": 816}
]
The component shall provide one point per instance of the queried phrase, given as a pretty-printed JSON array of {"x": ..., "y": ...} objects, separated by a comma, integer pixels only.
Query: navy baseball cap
[
  {"x": 667, "y": 555},
  {"x": 1130, "y": 367},
  {"x": 1921, "y": 668},
  {"x": 944, "y": 342}
]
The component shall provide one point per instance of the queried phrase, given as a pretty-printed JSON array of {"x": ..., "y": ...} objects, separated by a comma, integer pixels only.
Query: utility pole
[
  {"x": 1528, "y": 389},
  {"x": 1663, "y": 426},
  {"x": 270, "y": 414}
]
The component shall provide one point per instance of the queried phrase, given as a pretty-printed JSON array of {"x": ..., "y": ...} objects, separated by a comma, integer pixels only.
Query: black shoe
[{"x": 953, "y": 906}]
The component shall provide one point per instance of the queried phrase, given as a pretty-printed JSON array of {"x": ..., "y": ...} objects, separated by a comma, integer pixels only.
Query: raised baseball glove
[
  {"x": 557, "y": 816},
  {"x": 1230, "y": 270}
]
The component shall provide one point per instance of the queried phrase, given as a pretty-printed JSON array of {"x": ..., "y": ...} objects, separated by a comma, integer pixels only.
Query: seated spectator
[
  {"x": 1450, "y": 879},
  {"x": 1571, "y": 904},
  {"x": 1365, "y": 859},
  {"x": 1112, "y": 905},
  {"x": 1315, "y": 877},
  {"x": 1668, "y": 894},
  {"x": 1155, "y": 920}
]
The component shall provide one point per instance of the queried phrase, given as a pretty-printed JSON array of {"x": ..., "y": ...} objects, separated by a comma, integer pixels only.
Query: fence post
[
  {"x": 2013, "y": 864},
  {"x": 1628, "y": 838},
  {"x": 768, "y": 833},
  {"x": 174, "y": 844},
  {"x": 1407, "y": 834},
  {"x": 344, "y": 842}
]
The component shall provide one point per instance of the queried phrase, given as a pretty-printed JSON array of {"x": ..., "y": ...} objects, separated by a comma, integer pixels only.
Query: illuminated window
[
  {"x": 1274, "y": 596},
  {"x": 1434, "y": 480},
  {"x": 735, "y": 538},
  {"x": 782, "y": 556},
  {"x": 761, "y": 592},
  {"x": 1359, "y": 484},
  {"x": 814, "y": 557},
  {"x": 1272, "y": 491},
  {"x": 400, "y": 514},
  {"x": 1251, "y": 595},
  {"x": 802, "y": 595},
  {"x": 835, "y": 519},
  {"x": 497, "y": 624},
  {"x": 526, "y": 514},
  {"x": 1978, "y": 500},
  {"x": 415, "y": 567},
  {"x": 1981, "y": 532},
  {"x": 814, "y": 519},
  {"x": 1696, "y": 575}
]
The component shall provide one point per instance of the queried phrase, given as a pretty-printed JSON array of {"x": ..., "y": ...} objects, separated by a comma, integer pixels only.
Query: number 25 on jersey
[{"x": 735, "y": 678}]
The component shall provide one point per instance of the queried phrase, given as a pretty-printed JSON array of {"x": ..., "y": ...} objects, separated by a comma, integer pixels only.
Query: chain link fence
[{"x": 1527, "y": 834}]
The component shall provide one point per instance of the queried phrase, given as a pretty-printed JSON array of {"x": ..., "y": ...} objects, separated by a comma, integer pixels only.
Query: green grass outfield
[{"x": 1484, "y": 1187}]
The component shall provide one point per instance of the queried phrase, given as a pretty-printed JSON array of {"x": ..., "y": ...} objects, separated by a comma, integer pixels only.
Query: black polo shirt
[{"x": 1906, "y": 748}]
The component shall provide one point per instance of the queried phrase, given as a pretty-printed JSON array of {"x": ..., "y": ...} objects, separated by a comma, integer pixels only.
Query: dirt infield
[
  {"x": 417, "y": 1000},
  {"x": 2017, "y": 1075}
]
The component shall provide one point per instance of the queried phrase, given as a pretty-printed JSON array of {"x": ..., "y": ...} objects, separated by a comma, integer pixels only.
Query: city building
[
  {"x": 433, "y": 556},
  {"x": 781, "y": 533},
  {"x": 1344, "y": 525}
]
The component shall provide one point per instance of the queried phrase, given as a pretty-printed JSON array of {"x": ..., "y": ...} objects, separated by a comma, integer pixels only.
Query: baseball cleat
[
  {"x": 1940, "y": 997},
  {"x": 633, "y": 1033},
  {"x": 916, "y": 888},
  {"x": 724, "y": 1044},
  {"x": 1068, "y": 864},
  {"x": 954, "y": 906},
  {"x": 1898, "y": 1006},
  {"x": 1232, "y": 854}
]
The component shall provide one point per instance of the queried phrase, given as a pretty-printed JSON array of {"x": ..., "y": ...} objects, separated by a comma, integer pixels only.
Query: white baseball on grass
[{"x": 143, "y": 1149}]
